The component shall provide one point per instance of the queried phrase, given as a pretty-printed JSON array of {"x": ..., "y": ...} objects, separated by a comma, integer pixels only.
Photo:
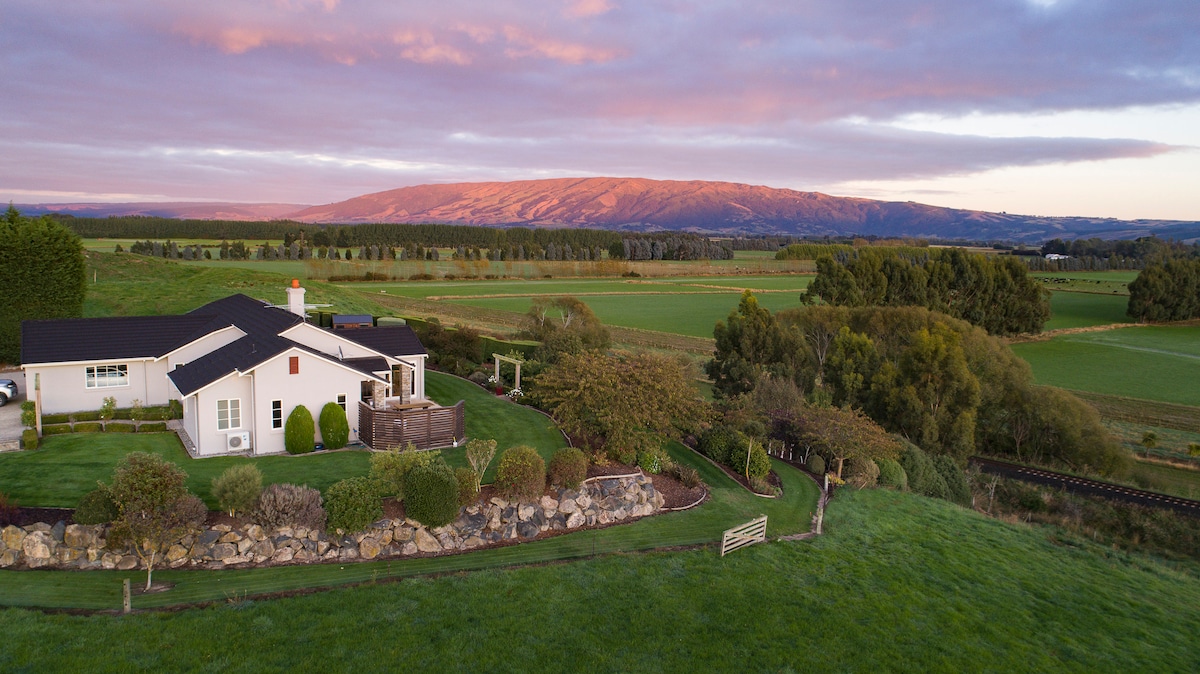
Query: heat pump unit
[{"x": 237, "y": 442}]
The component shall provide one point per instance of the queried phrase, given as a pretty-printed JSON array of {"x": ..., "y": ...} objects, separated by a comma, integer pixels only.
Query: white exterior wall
[
  {"x": 318, "y": 382},
  {"x": 209, "y": 441},
  {"x": 64, "y": 387}
]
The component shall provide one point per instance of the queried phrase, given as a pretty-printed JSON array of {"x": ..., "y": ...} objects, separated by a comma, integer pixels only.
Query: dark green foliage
[
  {"x": 298, "y": 431},
  {"x": 55, "y": 418},
  {"x": 1150, "y": 439},
  {"x": 891, "y": 474},
  {"x": 721, "y": 443},
  {"x": 957, "y": 489},
  {"x": 156, "y": 427},
  {"x": 759, "y": 465},
  {"x": 468, "y": 485},
  {"x": 56, "y": 429},
  {"x": 238, "y": 488},
  {"x": 28, "y": 414},
  {"x": 42, "y": 274},
  {"x": 89, "y": 427},
  {"x": 1166, "y": 292},
  {"x": 861, "y": 472},
  {"x": 815, "y": 464},
  {"x": 521, "y": 474},
  {"x": 652, "y": 460},
  {"x": 29, "y": 438},
  {"x": 923, "y": 475},
  {"x": 568, "y": 468},
  {"x": 291, "y": 505},
  {"x": 456, "y": 350},
  {"x": 388, "y": 469},
  {"x": 117, "y": 427},
  {"x": 750, "y": 345},
  {"x": 85, "y": 416},
  {"x": 431, "y": 494},
  {"x": 995, "y": 293},
  {"x": 96, "y": 507},
  {"x": 353, "y": 504},
  {"x": 335, "y": 430}
]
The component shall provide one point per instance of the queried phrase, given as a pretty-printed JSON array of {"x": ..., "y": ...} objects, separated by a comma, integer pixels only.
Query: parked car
[{"x": 8, "y": 390}]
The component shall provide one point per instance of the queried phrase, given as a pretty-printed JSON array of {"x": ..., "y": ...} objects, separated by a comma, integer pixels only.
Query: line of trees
[
  {"x": 941, "y": 383},
  {"x": 42, "y": 275},
  {"x": 995, "y": 293},
  {"x": 1167, "y": 291}
]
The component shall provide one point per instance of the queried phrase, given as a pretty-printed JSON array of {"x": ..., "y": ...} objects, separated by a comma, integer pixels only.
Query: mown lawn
[
  {"x": 1152, "y": 362},
  {"x": 898, "y": 583}
]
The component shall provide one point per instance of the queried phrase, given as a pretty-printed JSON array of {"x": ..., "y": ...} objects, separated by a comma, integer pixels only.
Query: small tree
[
  {"x": 479, "y": 455},
  {"x": 568, "y": 468},
  {"x": 335, "y": 430},
  {"x": 298, "y": 431},
  {"x": 1149, "y": 439},
  {"x": 238, "y": 488},
  {"x": 108, "y": 409},
  {"x": 154, "y": 506},
  {"x": 137, "y": 412}
]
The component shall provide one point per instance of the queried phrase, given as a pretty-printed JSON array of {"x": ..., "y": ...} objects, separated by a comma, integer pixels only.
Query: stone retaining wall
[{"x": 600, "y": 501}]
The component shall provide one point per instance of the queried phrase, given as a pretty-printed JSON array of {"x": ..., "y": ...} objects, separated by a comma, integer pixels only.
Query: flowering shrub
[
  {"x": 515, "y": 394},
  {"x": 493, "y": 380}
]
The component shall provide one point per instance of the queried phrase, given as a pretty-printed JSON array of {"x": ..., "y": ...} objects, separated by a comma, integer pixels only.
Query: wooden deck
[{"x": 425, "y": 427}]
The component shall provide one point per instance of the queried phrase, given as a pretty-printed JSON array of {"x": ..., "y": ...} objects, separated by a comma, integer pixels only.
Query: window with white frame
[
  {"x": 107, "y": 376},
  {"x": 341, "y": 401},
  {"x": 229, "y": 414},
  {"x": 276, "y": 414}
]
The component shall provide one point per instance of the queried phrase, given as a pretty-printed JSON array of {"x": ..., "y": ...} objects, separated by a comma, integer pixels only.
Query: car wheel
[{"x": 3, "y": 399}]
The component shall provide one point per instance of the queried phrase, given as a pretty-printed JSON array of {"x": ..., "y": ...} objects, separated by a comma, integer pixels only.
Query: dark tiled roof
[
  {"x": 390, "y": 340},
  {"x": 75, "y": 339},
  {"x": 238, "y": 356},
  {"x": 368, "y": 365},
  {"x": 342, "y": 319}
]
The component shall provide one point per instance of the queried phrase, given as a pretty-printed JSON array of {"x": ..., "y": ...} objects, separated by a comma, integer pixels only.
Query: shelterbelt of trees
[
  {"x": 937, "y": 381},
  {"x": 995, "y": 293},
  {"x": 1168, "y": 291},
  {"x": 42, "y": 275},
  {"x": 494, "y": 240}
]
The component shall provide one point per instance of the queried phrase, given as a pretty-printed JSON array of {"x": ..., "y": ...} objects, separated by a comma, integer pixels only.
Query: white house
[{"x": 239, "y": 367}]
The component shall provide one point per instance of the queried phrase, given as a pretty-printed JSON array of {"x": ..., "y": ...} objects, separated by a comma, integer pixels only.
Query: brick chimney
[{"x": 296, "y": 298}]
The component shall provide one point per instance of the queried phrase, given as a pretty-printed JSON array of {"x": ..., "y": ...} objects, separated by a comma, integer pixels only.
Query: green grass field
[
  {"x": 898, "y": 583},
  {"x": 1079, "y": 310},
  {"x": 1150, "y": 362},
  {"x": 581, "y": 287}
]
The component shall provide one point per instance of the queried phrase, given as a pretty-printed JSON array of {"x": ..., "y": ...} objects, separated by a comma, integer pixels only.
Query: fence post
[{"x": 126, "y": 605}]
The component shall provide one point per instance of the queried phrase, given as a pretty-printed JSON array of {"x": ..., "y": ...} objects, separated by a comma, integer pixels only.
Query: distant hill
[
  {"x": 183, "y": 210},
  {"x": 638, "y": 204}
]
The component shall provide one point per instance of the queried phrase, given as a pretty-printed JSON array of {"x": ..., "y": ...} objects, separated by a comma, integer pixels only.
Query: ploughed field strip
[
  {"x": 1140, "y": 411},
  {"x": 1086, "y": 487}
]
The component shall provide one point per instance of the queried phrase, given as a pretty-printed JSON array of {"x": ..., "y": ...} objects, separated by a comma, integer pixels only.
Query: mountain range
[{"x": 637, "y": 204}]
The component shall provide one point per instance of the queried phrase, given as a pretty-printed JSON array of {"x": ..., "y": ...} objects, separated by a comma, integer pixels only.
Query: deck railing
[{"x": 427, "y": 428}]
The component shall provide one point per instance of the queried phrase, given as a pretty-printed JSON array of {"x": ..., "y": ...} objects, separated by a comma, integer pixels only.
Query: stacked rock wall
[{"x": 599, "y": 501}]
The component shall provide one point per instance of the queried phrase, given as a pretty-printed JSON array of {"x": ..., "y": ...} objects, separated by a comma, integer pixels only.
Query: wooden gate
[{"x": 754, "y": 531}]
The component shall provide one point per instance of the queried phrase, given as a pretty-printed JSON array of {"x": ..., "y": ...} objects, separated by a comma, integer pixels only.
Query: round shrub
[
  {"x": 760, "y": 464},
  {"x": 353, "y": 504},
  {"x": 861, "y": 473},
  {"x": 653, "y": 460},
  {"x": 96, "y": 507},
  {"x": 923, "y": 477},
  {"x": 891, "y": 475},
  {"x": 335, "y": 430},
  {"x": 431, "y": 494},
  {"x": 521, "y": 474},
  {"x": 290, "y": 505},
  {"x": 719, "y": 443},
  {"x": 238, "y": 488},
  {"x": 389, "y": 468},
  {"x": 298, "y": 431},
  {"x": 815, "y": 464},
  {"x": 568, "y": 468},
  {"x": 468, "y": 485}
]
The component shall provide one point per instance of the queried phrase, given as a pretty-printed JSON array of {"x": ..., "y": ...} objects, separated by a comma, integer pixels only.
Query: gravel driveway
[{"x": 10, "y": 414}]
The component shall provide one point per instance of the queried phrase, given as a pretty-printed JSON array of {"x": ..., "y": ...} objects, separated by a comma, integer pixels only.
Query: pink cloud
[
  {"x": 586, "y": 8},
  {"x": 523, "y": 44}
]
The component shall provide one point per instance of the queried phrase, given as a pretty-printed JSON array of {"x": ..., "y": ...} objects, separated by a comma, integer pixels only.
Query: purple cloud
[{"x": 314, "y": 101}]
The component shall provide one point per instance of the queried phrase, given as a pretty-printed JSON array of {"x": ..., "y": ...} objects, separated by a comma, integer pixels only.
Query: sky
[{"x": 1038, "y": 107}]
